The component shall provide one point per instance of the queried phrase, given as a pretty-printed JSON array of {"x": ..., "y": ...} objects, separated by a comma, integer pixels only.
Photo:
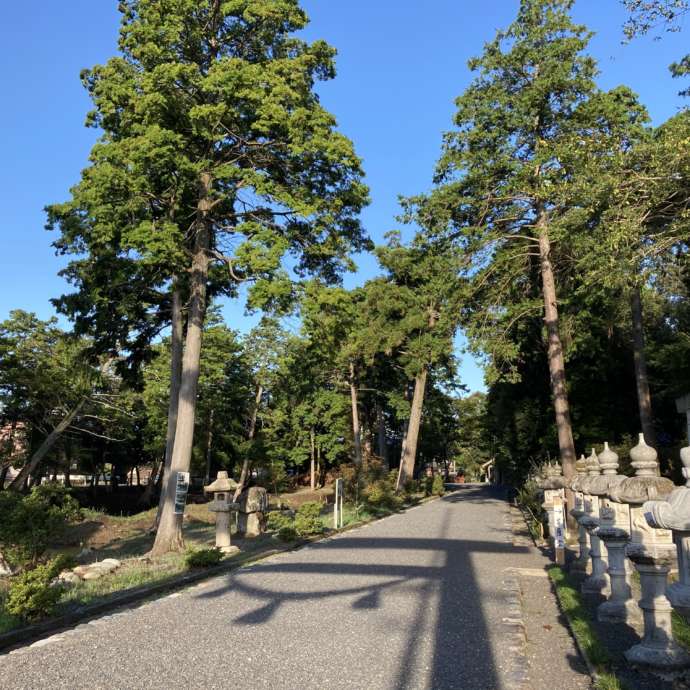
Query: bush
[
  {"x": 287, "y": 533},
  {"x": 30, "y": 523},
  {"x": 308, "y": 519},
  {"x": 204, "y": 558},
  {"x": 277, "y": 520},
  {"x": 437, "y": 487},
  {"x": 31, "y": 595},
  {"x": 380, "y": 495}
]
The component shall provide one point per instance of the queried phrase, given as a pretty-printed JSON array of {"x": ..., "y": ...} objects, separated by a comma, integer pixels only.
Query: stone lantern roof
[
  {"x": 581, "y": 473},
  {"x": 593, "y": 471},
  {"x": 222, "y": 483},
  {"x": 645, "y": 485},
  {"x": 553, "y": 478},
  {"x": 602, "y": 484}
]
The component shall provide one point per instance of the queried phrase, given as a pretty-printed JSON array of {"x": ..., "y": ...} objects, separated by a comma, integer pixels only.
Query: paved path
[{"x": 417, "y": 600}]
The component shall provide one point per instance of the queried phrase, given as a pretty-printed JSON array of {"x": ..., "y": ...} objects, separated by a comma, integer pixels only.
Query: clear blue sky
[{"x": 401, "y": 64}]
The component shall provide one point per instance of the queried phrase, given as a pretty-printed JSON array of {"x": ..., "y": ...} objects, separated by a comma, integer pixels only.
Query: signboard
[
  {"x": 338, "y": 506},
  {"x": 181, "y": 488},
  {"x": 559, "y": 530}
]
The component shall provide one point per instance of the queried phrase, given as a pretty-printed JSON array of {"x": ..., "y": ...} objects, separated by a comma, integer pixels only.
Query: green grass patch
[
  {"x": 681, "y": 629},
  {"x": 581, "y": 624}
]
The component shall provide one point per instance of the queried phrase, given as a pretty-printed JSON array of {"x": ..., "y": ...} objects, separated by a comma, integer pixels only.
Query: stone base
[
  {"x": 670, "y": 657},
  {"x": 618, "y": 611},
  {"x": 229, "y": 550}
]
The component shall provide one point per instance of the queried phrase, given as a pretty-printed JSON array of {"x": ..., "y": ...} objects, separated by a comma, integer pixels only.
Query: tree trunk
[
  {"x": 312, "y": 463},
  {"x": 409, "y": 449},
  {"x": 209, "y": 447},
  {"x": 147, "y": 495},
  {"x": 177, "y": 323},
  {"x": 169, "y": 534},
  {"x": 258, "y": 392},
  {"x": 559, "y": 389},
  {"x": 355, "y": 417},
  {"x": 20, "y": 480},
  {"x": 319, "y": 466},
  {"x": 3, "y": 476},
  {"x": 383, "y": 446},
  {"x": 644, "y": 398}
]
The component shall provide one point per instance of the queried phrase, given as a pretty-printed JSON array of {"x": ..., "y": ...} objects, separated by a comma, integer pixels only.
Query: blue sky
[{"x": 401, "y": 64}]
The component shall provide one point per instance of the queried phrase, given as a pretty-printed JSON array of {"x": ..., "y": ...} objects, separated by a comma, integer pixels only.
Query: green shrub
[
  {"x": 277, "y": 520},
  {"x": 411, "y": 486},
  {"x": 287, "y": 533},
  {"x": 31, "y": 595},
  {"x": 30, "y": 523},
  {"x": 428, "y": 485},
  {"x": 204, "y": 558},
  {"x": 308, "y": 519},
  {"x": 380, "y": 495},
  {"x": 437, "y": 487}
]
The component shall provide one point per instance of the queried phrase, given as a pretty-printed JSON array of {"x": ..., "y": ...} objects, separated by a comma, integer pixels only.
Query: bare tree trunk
[
  {"x": 244, "y": 475},
  {"x": 319, "y": 466},
  {"x": 148, "y": 492},
  {"x": 209, "y": 446},
  {"x": 3, "y": 476},
  {"x": 383, "y": 446},
  {"x": 33, "y": 464},
  {"x": 169, "y": 534},
  {"x": 312, "y": 463},
  {"x": 356, "y": 433},
  {"x": 177, "y": 322},
  {"x": 409, "y": 449},
  {"x": 559, "y": 389},
  {"x": 644, "y": 398}
]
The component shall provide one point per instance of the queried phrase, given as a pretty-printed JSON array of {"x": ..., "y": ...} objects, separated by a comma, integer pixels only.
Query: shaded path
[{"x": 412, "y": 601}]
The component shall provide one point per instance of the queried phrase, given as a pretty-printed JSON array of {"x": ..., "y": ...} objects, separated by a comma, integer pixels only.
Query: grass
[{"x": 581, "y": 625}]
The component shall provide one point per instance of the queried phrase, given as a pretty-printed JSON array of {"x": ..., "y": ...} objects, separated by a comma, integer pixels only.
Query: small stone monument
[
  {"x": 221, "y": 505},
  {"x": 253, "y": 505},
  {"x": 578, "y": 512},
  {"x": 652, "y": 552},
  {"x": 553, "y": 484}
]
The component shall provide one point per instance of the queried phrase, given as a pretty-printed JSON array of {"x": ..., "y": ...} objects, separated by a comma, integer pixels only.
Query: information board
[{"x": 181, "y": 488}]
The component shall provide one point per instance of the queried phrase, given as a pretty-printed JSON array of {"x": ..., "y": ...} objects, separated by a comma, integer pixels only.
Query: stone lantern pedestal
[
  {"x": 598, "y": 580},
  {"x": 221, "y": 505},
  {"x": 651, "y": 551},
  {"x": 553, "y": 485}
]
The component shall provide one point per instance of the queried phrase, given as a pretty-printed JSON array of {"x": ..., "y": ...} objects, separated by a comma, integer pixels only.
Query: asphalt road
[{"x": 412, "y": 601}]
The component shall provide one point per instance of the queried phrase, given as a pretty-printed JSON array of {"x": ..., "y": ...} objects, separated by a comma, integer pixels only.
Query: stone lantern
[
  {"x": 613, "y": 531},
  {"x": 652, "y": 552},
  {"x": 674, "y": 514},
  {"x": 222, "y": 490},
  {"x": 598, "y": 580},
  {"x": 578, "y": 512},
  {"x": 553, "y": 485}
]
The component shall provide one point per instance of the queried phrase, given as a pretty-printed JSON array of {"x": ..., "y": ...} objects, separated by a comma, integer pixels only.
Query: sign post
[
  {"x": 338, "y": 505},
  {"x": 181, "y": 488},
  {"x": 559, "y": 529}
]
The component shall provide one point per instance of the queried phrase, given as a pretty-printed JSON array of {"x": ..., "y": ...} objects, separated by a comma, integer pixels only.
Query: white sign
[
  {"x": 338, "y": 505},
  {"x": 181, "y": 488}
]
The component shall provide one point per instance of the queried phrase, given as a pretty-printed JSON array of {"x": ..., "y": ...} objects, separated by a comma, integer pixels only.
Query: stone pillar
[
  {"x": 651, "y": 551},
  {"x": 598, "y": 580},
  {"x": 222, "y": 490},
  {"x": 578, "y": 512},
  {"x": 253, "y": 505},
  {"x": 553, "y": 485}
]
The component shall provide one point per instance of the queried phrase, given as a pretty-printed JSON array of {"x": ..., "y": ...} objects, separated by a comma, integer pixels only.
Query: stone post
[
  {"x": 253, "y": 505},
  {"x": 553, "y": 485},
  {"x": 578, "y": 512},
  {"x": 651, "y": 550},
  {"x": 598, "y": 580},
  {"x": 222, "y": 490}
]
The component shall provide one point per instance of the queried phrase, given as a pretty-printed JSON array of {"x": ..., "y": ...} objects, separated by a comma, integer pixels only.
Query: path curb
[{"x": 135, "y": 595}]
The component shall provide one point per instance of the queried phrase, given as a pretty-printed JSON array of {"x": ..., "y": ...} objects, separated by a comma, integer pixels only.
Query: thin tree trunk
[
  {"x": 644, "y": 398},
  {"x": 319, "y": 467},
  {"x": 312, "y": 463},
  {"x": 383, "y": 446},
  {"x": 244, "y": 474},
  {"x": 148, "y": 492},
  {"x": 355, "y": 417},
  {"x": 169, "y": 534},
  {"x": 559, "y": 389},
  {"x": 45, "y": 447},
  {"x": 409, "y": 449},
  {"x": 177, "y": 322},
  {"x": 209, "y": 447},
  {"x": 3, "y": 476}
]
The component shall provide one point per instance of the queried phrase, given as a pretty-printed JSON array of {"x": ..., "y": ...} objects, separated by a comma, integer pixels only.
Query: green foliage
[
  {"x": 31, "y": 595},
  {"x": 308, "y": 519},
  {"x": 277, "y": 520},
  {"x": 30, "y": 523},
  {"x": 204, "y": 558},
  {"x": 287, "y": 533},
  {"x": 437, "y": 488}
]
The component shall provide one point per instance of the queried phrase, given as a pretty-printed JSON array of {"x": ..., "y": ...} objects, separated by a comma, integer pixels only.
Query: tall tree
[{"x": 216, "y": 159}]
